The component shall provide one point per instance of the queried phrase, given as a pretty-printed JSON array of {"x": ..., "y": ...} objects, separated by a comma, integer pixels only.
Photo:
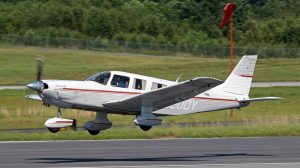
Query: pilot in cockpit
[
  {"x": 121, "y": 83},
  {"x": 114, "y": 82}
]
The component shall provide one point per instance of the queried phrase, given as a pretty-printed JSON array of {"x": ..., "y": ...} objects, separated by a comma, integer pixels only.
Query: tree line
[{"x": 258, "y": 23}]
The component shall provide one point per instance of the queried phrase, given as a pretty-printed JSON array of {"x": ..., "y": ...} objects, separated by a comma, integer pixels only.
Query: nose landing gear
[
  {"x": 55, "y": 124},
  {"x": 53, "y": 130}
]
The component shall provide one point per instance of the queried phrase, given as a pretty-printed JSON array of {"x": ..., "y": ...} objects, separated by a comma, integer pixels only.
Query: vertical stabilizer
[{"x": 239, "y": 81}]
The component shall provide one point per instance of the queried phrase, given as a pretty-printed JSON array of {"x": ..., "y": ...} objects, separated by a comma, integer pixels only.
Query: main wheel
[
  {"x": 94, "y": 132},
  {"x": 145, "y": 128},
  {"x": 53, "y": 130}
]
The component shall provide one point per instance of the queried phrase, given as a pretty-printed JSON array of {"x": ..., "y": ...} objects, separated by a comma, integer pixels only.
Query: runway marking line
[
  {"x": 201, "y": 165},
  {"x": 162, "y": 139}
]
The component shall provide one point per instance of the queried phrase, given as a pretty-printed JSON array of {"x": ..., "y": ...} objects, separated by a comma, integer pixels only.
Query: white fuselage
[{"x": 91, "y": 95}]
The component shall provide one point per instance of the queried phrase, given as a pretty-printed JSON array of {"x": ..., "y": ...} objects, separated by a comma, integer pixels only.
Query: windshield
[{"x": 102, "y": 78}]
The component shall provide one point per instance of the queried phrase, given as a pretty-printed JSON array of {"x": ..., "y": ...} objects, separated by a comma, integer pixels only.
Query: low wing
[
  {"x": 34, "y": 97},
  {"x": 166, "y": 96}
]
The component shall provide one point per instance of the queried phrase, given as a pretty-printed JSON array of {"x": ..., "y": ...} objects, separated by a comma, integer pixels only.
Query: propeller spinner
[{"x": 38, "y": 85}]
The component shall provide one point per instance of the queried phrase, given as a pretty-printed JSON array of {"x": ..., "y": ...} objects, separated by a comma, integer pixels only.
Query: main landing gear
[
  {"x": 147, "y": 119},
  {"x": 100, "y": 123},
  {"x": 145, "y": 128},
  {"x": 94, "y": 132}
]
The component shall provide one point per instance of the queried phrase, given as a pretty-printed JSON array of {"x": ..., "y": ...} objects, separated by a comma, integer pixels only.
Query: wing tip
[{"x": 33, "y": 97}]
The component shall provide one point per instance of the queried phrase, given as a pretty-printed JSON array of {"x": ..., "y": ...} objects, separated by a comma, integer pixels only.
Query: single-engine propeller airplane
[{"x": 148, "y": 98}]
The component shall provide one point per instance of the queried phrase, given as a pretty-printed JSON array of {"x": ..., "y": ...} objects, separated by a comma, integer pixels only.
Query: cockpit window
[
  {"x": 120, "y": 81},
  {"x": 102, "y": 77}
]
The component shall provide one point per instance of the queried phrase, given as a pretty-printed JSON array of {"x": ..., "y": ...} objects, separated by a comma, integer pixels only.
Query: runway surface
[{"x": 215, "y": 152}]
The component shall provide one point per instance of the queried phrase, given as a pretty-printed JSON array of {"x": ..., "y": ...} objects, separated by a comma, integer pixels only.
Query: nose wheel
[
  {"x": 55, "y": 124},
  {"x": 54, "y": 130}
]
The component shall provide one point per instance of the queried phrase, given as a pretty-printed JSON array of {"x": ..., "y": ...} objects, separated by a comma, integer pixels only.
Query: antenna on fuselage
[{"x": 177, "y": 80}]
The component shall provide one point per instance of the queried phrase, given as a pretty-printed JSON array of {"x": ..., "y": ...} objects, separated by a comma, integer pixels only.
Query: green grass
[
  {"x": 18, "y": 112},
  {"x": 172, "y": 132},
  {"x": 273, "y": 118},
  {"x": 17, "y": 65}
]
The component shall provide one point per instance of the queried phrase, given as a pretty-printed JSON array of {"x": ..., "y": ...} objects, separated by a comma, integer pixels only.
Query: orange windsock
[{"x": 228, "y": 10}]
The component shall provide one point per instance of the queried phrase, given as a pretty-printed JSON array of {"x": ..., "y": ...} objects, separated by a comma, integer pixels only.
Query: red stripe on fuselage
[
  {"x": 135, "y": 93},
  {"x": 104, "y": 91}
]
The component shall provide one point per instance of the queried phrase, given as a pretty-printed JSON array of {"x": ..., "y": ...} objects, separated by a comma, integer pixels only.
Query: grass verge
[
  {"x": 17, "y": 65},
  {"x": 158, "y": 132}
]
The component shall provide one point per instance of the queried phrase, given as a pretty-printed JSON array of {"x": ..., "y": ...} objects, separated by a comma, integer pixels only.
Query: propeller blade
[{"x": 39, "y": 68}]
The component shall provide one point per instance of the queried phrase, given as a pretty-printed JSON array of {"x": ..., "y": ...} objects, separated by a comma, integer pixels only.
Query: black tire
[
  {"x": 94, "y": 132},
  {"x": 145, "y": 128},
  {"x": 54, "y": 130}
]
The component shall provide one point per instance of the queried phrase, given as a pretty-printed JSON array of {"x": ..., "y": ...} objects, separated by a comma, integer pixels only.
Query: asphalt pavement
[{"x": 270, "y": 152}]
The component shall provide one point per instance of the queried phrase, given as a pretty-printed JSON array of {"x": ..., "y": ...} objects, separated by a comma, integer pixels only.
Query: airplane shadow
[{"x": 146, "y": 159}]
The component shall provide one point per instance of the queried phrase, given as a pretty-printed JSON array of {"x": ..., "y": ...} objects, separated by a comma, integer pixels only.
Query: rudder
[{"x": 240, "y": 79}]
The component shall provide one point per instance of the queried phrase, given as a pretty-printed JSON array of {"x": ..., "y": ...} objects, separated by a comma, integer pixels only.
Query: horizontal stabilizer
[
  {"x": 33, "y": 97},
  {"x": 262, "y": 99}
]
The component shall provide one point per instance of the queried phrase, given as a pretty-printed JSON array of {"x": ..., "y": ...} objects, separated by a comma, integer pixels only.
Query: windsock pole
[
  {"x": 228, "y": 12},
  {"x": 231, "y": 44}
]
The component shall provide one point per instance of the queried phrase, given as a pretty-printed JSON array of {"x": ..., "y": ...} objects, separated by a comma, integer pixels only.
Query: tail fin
[{"x": 240, "y": 79}]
